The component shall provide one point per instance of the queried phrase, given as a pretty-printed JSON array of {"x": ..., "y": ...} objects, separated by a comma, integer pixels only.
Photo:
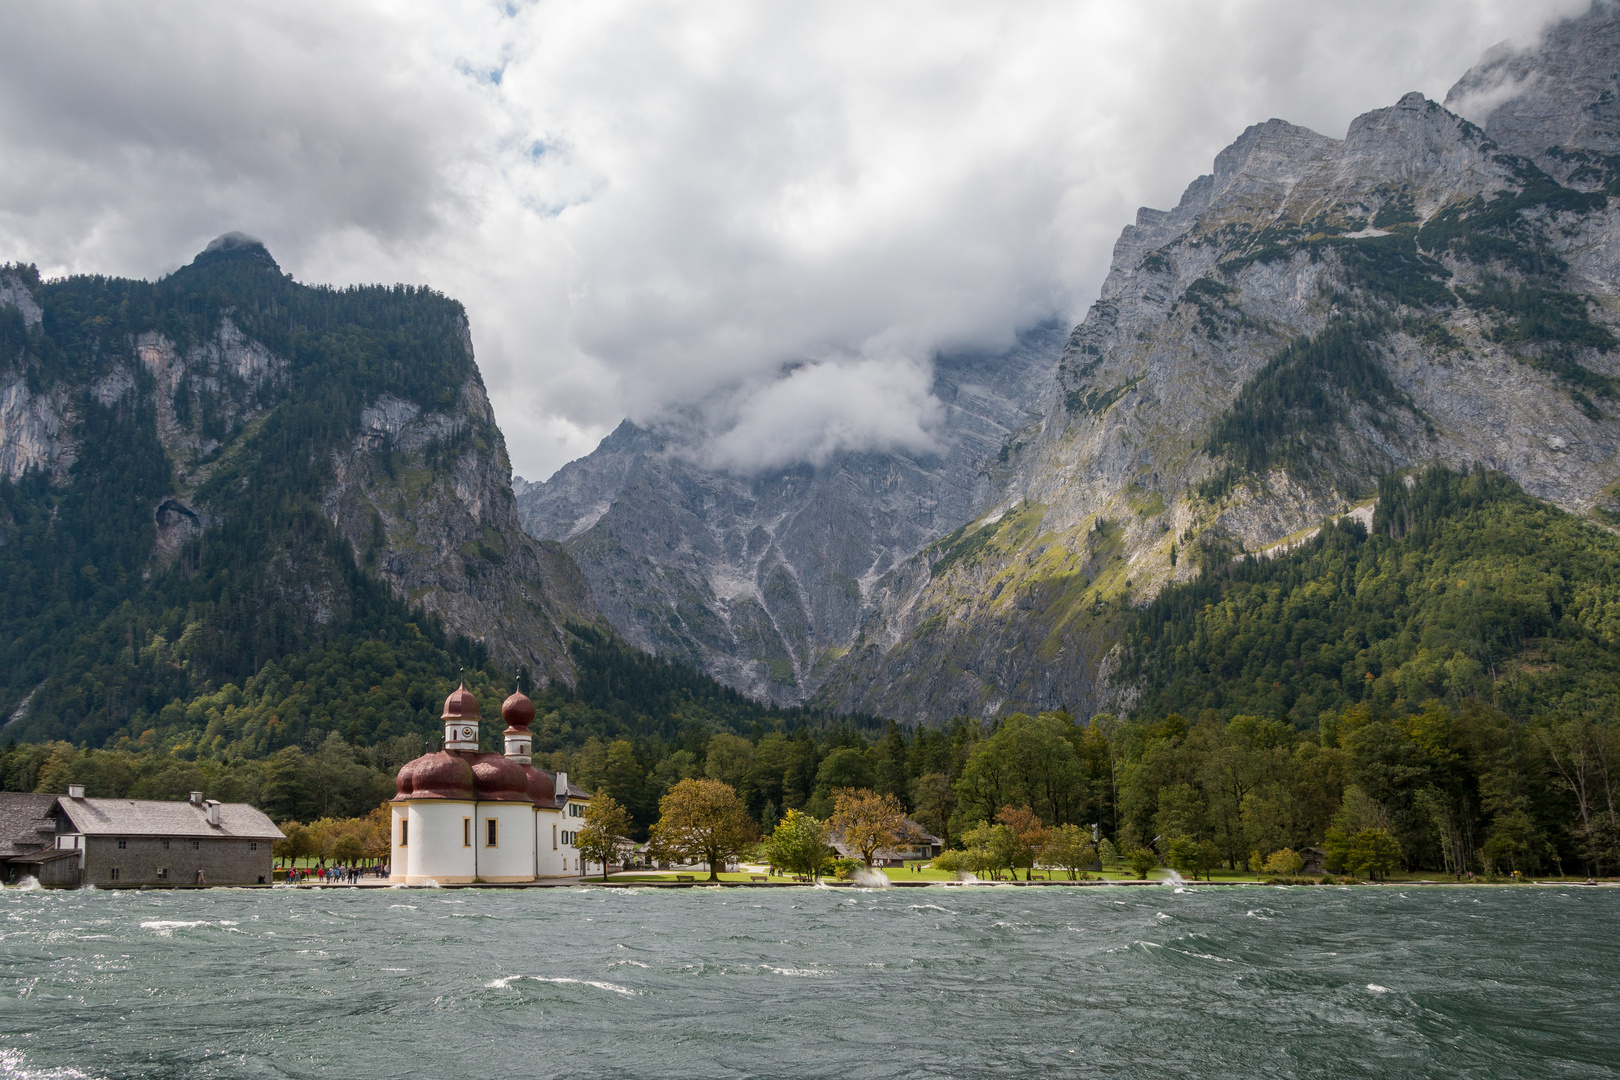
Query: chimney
[
  {"x": 562, "y": 785},
  {"x": 213, "y": 812},
  {"x": 196, "y": 798},
  {"x": 75, "y": 791}
]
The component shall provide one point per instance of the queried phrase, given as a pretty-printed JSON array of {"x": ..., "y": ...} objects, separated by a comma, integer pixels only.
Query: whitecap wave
[
  {"x": 798, "y": 973},
  {"x": 167, "y": 927},
  {"x": 505, "y": 983},
  {"x": 1376, "y": 989},
  {"x": 15, "y": 1066}
]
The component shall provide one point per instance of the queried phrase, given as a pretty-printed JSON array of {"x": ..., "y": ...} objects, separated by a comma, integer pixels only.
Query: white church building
[{"x": 462, "y": 815}]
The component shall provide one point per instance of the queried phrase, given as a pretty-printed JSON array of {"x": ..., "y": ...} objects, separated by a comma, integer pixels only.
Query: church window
[
  {"x": 122, "y": 844},
  {"x": 553, "y": 836},
  {"x": 112, "y": 873},
  {"x": 404, "y": 832},
  {"x": 163, "y": 873},
  {"x": 489, "y": 832},
  {"x": 253, "y": 846},
  {"x": 165, "y": 845},
  {"x": 466, "y": 832},
  {"x": 196, "y": 845}
]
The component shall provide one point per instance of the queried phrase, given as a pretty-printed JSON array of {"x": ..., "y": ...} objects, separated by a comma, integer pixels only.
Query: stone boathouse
[{"x": 68, "y": 841}]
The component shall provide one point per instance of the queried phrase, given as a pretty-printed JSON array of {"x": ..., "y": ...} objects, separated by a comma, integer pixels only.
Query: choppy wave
[
  {"x": 14, "y": 1065},
  {"x": 167, "y": 927},
  {"x": 801, "y": 984},
  {"x": 505, "y": 983}
]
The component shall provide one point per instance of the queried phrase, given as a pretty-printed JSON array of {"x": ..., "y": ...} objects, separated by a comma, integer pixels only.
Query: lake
[{"x": 905, "y": 982}]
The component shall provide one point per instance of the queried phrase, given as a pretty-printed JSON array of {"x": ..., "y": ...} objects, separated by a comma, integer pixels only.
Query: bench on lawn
[
  {"x": 759, "y": 877},
  {"x": 684, "y": 877}
]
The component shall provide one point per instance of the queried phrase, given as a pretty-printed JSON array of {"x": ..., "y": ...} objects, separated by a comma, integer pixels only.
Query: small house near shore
[
  {"x": 923, "y": 845},
  {"x": 68, "y": 841}
]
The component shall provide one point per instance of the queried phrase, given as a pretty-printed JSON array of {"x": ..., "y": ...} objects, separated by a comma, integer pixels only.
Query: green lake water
[{"x": 934, "y": 982}]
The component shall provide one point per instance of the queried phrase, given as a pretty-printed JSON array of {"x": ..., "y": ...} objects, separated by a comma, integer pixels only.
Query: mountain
[
  {"x": 1313, "y": 316},
  {"x": 763, "y": 581},
  {"x": 225, "y": 471}
]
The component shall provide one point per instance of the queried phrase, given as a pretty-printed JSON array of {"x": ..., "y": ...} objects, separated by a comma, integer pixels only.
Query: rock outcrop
[{"x": 424, "y": 500}]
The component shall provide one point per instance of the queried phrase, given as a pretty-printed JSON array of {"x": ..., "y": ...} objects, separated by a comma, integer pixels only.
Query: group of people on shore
[{"x": 333, "y": 875}]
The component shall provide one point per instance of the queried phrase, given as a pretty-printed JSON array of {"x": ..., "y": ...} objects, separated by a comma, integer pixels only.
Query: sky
[{"x": 759, "y": 221}]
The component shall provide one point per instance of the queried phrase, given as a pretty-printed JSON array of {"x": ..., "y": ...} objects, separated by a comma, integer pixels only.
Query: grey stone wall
[{"x": 143, "y": 859}]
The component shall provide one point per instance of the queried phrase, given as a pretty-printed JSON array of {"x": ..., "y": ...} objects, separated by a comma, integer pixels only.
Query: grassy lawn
[
  {"x": 896, "y": 874},
  {"x": 699, "y": 876}
]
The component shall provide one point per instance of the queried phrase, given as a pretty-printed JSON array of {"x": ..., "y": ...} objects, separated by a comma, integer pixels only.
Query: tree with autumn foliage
[
  {"x": 703, "y": 821},
  {"x": 1030, "y": 833},
  {"x": 606, "y": 822},
  {"x": 869, "y": 822}
]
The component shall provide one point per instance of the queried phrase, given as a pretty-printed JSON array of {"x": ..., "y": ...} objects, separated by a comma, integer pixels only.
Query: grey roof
[
  {"x": 575, "y": 792},
  {"x": 25, "y": 822},
  {"x": 44, "y": 855},
  {"x": 146, "y": 817}
]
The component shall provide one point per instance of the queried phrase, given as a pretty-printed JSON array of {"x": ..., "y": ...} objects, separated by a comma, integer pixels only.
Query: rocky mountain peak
[
  {"x": 1312, "y": 316},
  {"x": 1269, "y": 155},
  {"x": 1564, "y": 92},
  {"x": 235, "y": 246}
]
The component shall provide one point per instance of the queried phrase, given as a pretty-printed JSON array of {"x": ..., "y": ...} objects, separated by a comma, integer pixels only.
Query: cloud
[
  {"x": 818, "y": 410},
  {"x": 653, "y": 208}
]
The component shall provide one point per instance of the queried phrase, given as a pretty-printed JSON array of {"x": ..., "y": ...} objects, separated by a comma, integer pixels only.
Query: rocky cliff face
[
  {"x": 1313, "y": 314},
  {"x": 202, "y": 449},
  {"x": 424, "y": 500},
  {"x": 764, "y": 581}
]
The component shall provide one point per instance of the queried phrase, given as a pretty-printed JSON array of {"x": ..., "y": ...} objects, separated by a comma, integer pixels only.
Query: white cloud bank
[{"x": 769, "y": 213}]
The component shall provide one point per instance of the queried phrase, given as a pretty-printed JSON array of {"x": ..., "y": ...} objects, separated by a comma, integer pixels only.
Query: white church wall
[
  {"x": 552, "y": 855},
  {"x": 438, "y": 848},
  {"x": 511, "y": 858}
]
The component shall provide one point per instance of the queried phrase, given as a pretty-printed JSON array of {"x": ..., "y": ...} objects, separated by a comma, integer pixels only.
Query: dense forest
[{"x": 1447, "y": 680}]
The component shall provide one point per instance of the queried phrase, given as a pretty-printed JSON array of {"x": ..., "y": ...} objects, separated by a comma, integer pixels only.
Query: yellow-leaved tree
[
  {"x": 868, "y": 822},
  {"x": 703, "y": 821},
  {"x": 606, "y": 822}
]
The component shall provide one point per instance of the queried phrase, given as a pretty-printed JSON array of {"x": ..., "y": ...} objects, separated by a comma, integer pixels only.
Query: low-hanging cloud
[
  {"x": 769, "y": 215},
  {"x": 825, "y": 408}
]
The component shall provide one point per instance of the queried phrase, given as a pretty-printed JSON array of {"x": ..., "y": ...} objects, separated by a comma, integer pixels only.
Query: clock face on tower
[{"x": 466, "y": 733}]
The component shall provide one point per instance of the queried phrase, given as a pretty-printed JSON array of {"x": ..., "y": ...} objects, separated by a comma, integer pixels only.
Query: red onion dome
[
  {"x": 542, "y": 786},
  {"x": 461, "y": 705},
  {"x": 517, "y": 711},
  {"x": 499, "y": 780},
  {"x": 438, "y": 775}
]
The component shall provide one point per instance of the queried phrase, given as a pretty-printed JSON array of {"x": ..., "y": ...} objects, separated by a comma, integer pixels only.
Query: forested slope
[{"x": 222, "y": 469}]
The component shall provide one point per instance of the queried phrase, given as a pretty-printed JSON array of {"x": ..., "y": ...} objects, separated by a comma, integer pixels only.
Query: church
[{"x": 462, "y": 815}]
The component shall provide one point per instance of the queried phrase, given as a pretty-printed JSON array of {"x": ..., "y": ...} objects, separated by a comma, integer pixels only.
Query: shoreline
[{"x": 569, "y": 883}]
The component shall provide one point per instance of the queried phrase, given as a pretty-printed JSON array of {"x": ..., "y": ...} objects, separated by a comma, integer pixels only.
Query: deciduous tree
[
  {"x": 703, "y": 820},
  {"x": 1030, "y": 834},
  {"x": 1069, "y": 848},
  {"x": 799, "y": 845},
  {"x": 1373, "y": 854},
  {"x": 606, "y": 821},
  {"x": 869, "y": 822}
]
